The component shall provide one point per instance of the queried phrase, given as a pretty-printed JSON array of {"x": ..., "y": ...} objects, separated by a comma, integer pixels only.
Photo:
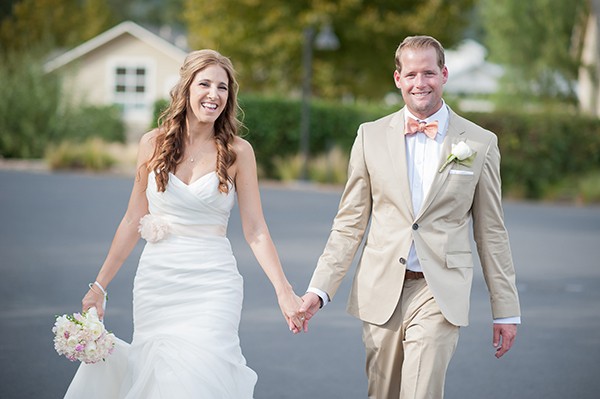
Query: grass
[
  {"x": 327, "y": 168},
  {"x": 576, "y": 189},
  {"x": 589, "y": 188},
  {"x": 92, "y": 155}
]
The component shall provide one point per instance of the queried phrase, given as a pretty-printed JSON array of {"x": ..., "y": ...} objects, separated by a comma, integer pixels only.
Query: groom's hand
[
  {"x": 311, "y": 305},
  {"x": 504, "y": 337}
]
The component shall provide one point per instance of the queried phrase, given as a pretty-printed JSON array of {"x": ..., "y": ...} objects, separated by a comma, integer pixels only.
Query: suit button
[
  {"x": 402, "y": 260},
  {"x": 415, "y": 226}
]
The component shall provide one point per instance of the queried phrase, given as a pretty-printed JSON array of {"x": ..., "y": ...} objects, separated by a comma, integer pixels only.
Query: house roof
[{"x": 127, "y": 27}]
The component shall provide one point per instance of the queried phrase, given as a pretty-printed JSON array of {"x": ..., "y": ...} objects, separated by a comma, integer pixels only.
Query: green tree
[
  {"x": 53, "y": 23},
  {"x": 148, "y": 12},
  {"x": 36, "y": 111},
  {"x": 264, "y": 39},
  {"x": 536, "y": 42}
]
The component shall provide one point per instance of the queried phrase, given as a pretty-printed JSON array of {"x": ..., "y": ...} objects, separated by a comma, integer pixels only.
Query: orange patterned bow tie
[{"x": 414, "y": 126}]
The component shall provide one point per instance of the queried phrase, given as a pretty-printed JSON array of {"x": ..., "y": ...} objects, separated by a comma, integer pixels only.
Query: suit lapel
[
  {"x": 397, "y": 151},
  {"x": 453, "y": 136}
]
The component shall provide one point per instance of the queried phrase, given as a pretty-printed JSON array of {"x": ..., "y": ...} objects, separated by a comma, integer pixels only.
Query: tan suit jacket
[{"x": 378, "y": 193}]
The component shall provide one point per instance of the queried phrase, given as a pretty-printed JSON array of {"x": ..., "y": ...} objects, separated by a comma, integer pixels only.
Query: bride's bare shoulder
[
  {"x": 148, "y": 143},
  {"x": 242, "y": 147}
]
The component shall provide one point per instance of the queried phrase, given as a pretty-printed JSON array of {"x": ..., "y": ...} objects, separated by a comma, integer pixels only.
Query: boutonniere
[{"x": 461, "y": 154}]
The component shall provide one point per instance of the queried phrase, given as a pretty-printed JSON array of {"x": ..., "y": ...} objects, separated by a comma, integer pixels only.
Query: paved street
[{"x": 55, "y": 230}]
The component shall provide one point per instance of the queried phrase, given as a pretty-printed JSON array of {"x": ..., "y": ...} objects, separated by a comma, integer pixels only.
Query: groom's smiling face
[{"x": 421, "y": 81}]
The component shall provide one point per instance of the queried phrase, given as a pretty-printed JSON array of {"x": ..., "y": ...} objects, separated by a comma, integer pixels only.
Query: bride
[{"x": 187, "y": 294}]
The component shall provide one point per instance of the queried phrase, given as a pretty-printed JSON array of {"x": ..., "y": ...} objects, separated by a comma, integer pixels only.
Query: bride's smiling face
[{"x": 208, "y": 94}]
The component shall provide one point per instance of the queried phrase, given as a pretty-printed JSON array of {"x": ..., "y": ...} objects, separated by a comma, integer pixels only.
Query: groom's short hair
[{"x": 420, "y": 42}]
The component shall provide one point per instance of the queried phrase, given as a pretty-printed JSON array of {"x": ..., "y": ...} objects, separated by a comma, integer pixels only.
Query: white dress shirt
[{"x": 422, "y": 156}]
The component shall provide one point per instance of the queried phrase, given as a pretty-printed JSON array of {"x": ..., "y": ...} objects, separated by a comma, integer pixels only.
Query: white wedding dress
[{"x": 187, "y": 300}]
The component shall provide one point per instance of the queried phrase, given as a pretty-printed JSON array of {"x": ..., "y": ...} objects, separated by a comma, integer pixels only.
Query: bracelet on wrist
[
  {"x": 95, "y": 290},
  {"x": 103, "y": 291}
]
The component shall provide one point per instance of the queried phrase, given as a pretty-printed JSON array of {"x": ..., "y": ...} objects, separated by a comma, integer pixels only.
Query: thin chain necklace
[{"x": 193, "y": 157}]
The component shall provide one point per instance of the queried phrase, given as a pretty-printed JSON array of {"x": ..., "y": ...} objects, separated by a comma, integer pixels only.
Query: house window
[{"x": 131, "y": 86}]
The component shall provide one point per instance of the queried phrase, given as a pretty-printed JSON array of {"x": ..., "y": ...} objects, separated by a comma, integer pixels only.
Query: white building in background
[
  {"x": 470, "y": 77},
  {"x": 127, "y": 65}
]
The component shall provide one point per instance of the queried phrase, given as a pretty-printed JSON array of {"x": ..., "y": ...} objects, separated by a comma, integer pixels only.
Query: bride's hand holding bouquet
[
  {"x": 82, "y": 336},
  {"x": 96, "y": 297}
]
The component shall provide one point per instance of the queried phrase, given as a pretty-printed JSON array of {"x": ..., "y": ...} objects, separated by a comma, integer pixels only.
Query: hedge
[
  {"x": 541, "y": 149},
  {"x": 273, "y": 126},
  {"x": 538, "y": 149}
]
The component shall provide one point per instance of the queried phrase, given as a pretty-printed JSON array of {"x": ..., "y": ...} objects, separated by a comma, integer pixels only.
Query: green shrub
[
  {"x": 159, "y": 107},
  {"x": 28, "y": 107},
  {"x": 589, "y": 188},
  {"x": 273, "y": 127},
  {"x": 35, "y": 111},
  {"x": 91, "y": 155},
  {"x": 287, "y": 168},
  {"x": 103, "y": 122},
  {"x": 331, "y": 167},
  {"x": 540, "y": 149}
]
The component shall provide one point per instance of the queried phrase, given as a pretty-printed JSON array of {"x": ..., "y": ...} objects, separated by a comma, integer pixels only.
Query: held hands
[
  {"x": 290, "y": 303},
  {"x": 311, "y": 305},
  {"x": 504, "y": 337}
]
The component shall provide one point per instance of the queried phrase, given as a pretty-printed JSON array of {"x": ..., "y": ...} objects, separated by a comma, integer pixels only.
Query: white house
[
  {"x": 470, "y": 76},
  {"x": 127, "y": 65}
]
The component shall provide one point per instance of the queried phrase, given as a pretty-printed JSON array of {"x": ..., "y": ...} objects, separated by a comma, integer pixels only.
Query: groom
[{"x": 412, "y": 284}]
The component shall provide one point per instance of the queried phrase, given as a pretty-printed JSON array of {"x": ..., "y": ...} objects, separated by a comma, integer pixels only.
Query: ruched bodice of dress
[{"x": 198, "y": 203}]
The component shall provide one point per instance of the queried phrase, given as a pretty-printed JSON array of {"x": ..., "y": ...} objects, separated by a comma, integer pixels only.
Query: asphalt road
[{"x": 55, "y": 230}]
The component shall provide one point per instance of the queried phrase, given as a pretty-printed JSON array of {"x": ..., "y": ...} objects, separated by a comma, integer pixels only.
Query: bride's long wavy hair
[{"x": 170, "y": 140}]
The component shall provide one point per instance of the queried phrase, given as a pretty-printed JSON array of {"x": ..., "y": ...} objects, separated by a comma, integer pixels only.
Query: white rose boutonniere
[{"x": 461, "y": 154}]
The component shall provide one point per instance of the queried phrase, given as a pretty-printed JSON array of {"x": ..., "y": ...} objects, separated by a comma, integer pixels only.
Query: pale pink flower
[{"x": 153, "y": 228}]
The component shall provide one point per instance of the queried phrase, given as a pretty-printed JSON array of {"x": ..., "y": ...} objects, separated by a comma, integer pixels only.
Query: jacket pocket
[{"x": 459, "y": 259}]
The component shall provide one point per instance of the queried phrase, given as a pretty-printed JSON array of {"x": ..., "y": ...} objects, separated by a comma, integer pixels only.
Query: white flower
[
  {"x": 153, "y": 228},
  {"x": 90, "y": 350},
  {"x": 72, "y": 342},
  {"x": 61, "y": 325},
  {"x": 461, "y": 153},
  {"x": 95, "y": 328},
  {"x": 461, "y": 150}
]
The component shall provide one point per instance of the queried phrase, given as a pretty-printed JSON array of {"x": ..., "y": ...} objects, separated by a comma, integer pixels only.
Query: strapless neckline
[{"x": 203, "y": 177}]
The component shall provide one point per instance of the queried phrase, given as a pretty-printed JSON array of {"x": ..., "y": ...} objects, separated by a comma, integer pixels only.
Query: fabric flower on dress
[
  {"x": 153, "y": 228},
  {"x": 461, "y": 153}
]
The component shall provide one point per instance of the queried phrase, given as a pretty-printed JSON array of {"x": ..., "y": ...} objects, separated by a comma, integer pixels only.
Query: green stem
[{"x": 451, "y": 158}]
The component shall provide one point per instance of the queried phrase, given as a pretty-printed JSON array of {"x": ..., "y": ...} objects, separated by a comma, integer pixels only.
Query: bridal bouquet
[{"x": 82, "y": 336}]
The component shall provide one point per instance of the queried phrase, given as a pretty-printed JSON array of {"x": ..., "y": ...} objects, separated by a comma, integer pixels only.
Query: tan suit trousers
[{"x": 408, "y": 356}]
